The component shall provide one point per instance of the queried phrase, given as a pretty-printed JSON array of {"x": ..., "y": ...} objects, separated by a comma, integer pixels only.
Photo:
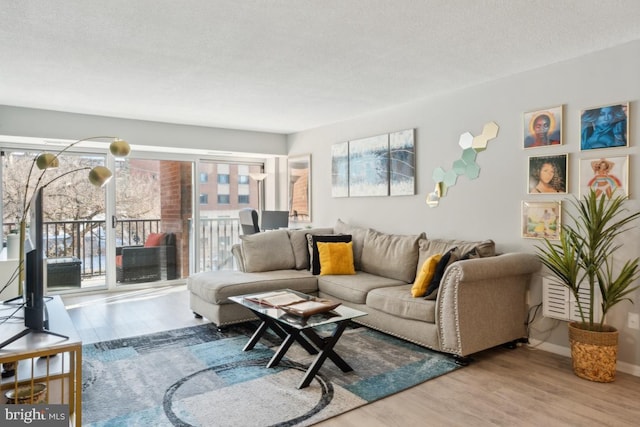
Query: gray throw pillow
[
  {"x": 267, "y": 251},
  {"x": 300, "y": 246},
  {"x": 484, "y": 249},
  {"x": 357, "y": 238},
  {"x": 467, "y": 249}
]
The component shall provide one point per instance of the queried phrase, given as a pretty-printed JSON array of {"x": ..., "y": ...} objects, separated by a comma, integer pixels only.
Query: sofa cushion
[
  {"x": 441, "y": 246},
  {"x": 357, "y": 237},
  {"x": 154, "y": 239},
  {"x": 336, "y": 258},
  {"x": 354, "y": 288},
  {"x": 217, "y": 286},
  {"x": 267, "y": 251},
  {"x": 300, "y": 245},
  {"x": 313, "y": 239},
  {"x": 446, "y": 260},
  {"x": 423, "y": 279},
  {"x": 483, "y": 249},
  {"x": 397, "y": 301},
  {"x": 391, "y": 255}
]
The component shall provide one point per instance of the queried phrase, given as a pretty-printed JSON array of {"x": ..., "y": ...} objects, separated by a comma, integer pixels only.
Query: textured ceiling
[{"x": 282, "y": 65}]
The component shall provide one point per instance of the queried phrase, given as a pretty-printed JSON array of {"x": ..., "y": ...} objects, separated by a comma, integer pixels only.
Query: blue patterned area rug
[{"x": 198, "y": 376}]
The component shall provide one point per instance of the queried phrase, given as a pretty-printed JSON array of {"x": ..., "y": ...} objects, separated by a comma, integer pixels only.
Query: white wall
[
  {"x": 490, "y": 206},
  {"x": 271, "y": 147},
  {"x": 52, "y": 124}
]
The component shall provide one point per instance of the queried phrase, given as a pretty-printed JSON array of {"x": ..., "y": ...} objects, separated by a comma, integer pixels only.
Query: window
[
  {"x": 223, "y": 178},
  {"x": 204, "y": 177},
  {"x": 223, "y": 199},
  {"x": 243, "y": 179},
  {"x": 243, "y": 199},
  {"x": 204, "y": 199}
]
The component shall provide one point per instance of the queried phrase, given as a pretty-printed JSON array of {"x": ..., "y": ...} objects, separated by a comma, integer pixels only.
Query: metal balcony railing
[
  {"x": 86, "y": 240},
  {"x": 217, "y": 236}
]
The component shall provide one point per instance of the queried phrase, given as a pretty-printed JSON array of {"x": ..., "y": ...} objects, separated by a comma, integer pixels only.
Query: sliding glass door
[
  {"x": 138, "y": 230},
  {"x": 224, "y": 189},
  {"x": 74, "y": 227},
  {"x": 153, "y": 212}
]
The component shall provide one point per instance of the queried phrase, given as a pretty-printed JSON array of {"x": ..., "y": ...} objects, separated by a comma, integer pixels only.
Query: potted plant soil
[{"x": 583, "y": 257}]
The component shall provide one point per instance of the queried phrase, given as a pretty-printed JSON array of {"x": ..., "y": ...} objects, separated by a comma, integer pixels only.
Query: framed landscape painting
[
  {"x": 402, "y": 170},
  {"x": 340, "y": 169},
  {"x": 605, "y": 175},
  {"x": 541, "y": 220},
  {"x": 543, "y": 128},
  {"x": 369, "y": 166},
  {"x": 604, "y": 127}
]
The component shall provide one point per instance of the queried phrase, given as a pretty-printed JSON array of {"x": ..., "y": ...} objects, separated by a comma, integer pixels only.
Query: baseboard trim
[{"x": 627, "y": 368}]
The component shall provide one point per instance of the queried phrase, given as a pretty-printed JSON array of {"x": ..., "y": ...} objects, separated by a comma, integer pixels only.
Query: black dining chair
[{"x": 249, "y": 221}]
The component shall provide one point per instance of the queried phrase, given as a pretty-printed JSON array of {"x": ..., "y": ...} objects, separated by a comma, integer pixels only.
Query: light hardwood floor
[{"x": 521, "y": 387}]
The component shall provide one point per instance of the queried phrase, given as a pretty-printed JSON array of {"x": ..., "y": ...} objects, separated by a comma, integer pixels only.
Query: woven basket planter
[{"x": 594, "y": 354}]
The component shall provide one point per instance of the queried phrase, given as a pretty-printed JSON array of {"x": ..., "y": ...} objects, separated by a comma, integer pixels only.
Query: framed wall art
[
  {"x": 543, "y": 128},
  {"x": 605, "y": 175},
  {"x": 369, "y": 166},
  {"x": 340, "y": 169},
  {"x": 548, "y": 174},
  {"x": 541, "y": 220},
  {"x": 402, "y": 169},
  {"x": 299, "y": 174},
  {"x": 604, "y": 127},
  {"x": 381, "y": 165}
]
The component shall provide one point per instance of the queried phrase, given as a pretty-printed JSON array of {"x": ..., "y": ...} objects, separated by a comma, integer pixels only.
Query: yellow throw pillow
[
  {"x": 427, "y": 271},
  {"x": 336, "y": 258}
]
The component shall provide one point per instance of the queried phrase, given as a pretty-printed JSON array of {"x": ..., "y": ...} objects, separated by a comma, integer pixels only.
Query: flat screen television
[{"x": 35, "y": 307}]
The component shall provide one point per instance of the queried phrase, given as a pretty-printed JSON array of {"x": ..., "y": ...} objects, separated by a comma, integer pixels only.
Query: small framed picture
[
  {"x": 604, "y": 127},
  {"x": 541, "y": 220},
  {"x": 548, "y": 174},
  {"x": 605, "y": 175},
  {"x": 543, "y": 128}
]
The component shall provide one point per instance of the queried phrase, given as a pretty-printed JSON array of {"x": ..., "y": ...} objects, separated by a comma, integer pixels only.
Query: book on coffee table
[
  {"x": 277, "y": 298},
  {"x": 309, "y": 308},
  {"x": 294, "y": 303}
]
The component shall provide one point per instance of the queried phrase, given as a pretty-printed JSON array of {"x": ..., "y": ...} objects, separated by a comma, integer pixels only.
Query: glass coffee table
[{"x": 293, "y": 328}]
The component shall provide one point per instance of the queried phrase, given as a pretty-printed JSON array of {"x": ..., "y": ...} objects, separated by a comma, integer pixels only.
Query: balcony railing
[
  {"x": 217, "y": 236},
  {"x": 86, "y": 240}
]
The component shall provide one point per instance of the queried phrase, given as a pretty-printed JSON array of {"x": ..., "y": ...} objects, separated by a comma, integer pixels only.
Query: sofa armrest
[
  {"x": 119, "y": 249},
  {"x": 481, "y": 302},
  {"x": 236, "y": 251}
]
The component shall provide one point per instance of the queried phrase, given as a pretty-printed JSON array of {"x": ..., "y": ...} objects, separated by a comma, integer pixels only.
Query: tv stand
[
  {"x": 40, "y": 323},
  {"x": 34, "y": 353},
  {"x": 29, "y": 331}
]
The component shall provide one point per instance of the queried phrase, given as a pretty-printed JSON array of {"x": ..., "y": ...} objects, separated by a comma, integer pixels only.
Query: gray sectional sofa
[{"x": 480, "y": 303}]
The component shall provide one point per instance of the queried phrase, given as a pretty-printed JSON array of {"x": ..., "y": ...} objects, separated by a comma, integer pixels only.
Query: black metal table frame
[{"x": 307, "y": 338}]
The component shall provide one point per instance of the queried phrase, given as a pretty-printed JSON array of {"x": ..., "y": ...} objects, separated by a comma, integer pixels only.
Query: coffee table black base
[{"x": 308, "y": 339}]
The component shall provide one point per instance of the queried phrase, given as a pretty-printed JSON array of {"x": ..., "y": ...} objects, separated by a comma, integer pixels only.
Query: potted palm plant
[{"x": 584, "y": 257}]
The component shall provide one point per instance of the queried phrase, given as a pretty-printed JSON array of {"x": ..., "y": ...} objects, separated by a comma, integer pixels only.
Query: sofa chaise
[{"x": 480, "y": 301}]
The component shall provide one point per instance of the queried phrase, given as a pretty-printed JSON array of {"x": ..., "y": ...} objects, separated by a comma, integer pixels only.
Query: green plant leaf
[{"x": 585, "y": 252}]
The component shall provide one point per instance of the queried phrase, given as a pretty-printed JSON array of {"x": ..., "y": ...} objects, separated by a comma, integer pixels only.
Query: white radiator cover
[{"x": 559, "y": 303}]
